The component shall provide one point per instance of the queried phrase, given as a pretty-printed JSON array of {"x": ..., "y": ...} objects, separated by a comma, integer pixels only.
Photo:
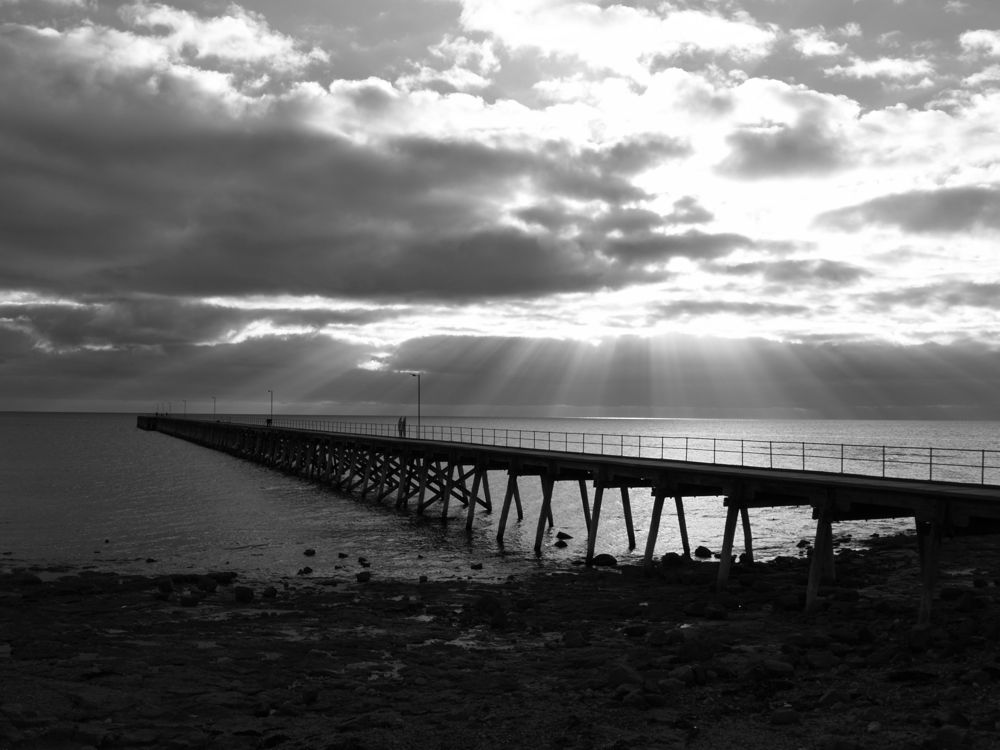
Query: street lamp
[
  {"x": 271, "y": 418},
  {"x": 417, "y": 376}
]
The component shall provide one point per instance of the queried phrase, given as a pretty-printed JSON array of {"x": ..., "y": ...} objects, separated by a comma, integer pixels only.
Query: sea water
[{"x": 92, "y": 490}]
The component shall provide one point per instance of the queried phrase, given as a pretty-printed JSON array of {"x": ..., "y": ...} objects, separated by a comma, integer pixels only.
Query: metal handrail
[{"x": 956, "y": 465}]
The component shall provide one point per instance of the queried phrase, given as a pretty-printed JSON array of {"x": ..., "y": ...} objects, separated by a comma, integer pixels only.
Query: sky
[{"x": 689, "y": 208}]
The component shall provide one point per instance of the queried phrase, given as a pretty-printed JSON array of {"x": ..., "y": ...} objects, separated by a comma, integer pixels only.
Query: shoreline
[{"x": 584, "y": 658}]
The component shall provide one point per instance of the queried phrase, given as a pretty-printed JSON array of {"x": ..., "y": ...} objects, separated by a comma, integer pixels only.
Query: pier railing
[{"x": 962, "y": 465}]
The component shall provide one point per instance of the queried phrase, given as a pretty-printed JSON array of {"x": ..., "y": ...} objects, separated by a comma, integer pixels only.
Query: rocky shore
[{"x": 595, "y": 658}]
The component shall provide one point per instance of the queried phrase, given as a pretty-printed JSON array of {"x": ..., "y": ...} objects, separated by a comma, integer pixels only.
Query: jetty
[{"x": 944, "y": 491}]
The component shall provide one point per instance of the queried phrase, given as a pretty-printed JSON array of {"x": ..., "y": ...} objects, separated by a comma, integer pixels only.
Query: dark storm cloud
[
  {"x": 944, "y": 295},
  {"x": 140, "y": 322},
  {"x": 947, "y": 210},
  {"x": 637, "y": 154},
  {"x": 688, "y": 210},
  {"x": 659, "y": 248},
  {"x": 137, "y": 378},
  {"x": 801, "y": 272},
  {"x": 804, "y": 148},
  {"x": 698, "y": 308},
  {"x": 108, "y": 187}
]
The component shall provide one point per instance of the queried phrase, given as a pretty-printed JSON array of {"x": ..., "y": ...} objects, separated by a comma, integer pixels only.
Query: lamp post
[
  {"x": 271, "y": 417},
  {"x": 417, "y": 376}
]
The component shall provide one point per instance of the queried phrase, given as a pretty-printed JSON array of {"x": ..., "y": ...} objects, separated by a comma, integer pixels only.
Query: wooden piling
[{"x": 654, "y": 527}]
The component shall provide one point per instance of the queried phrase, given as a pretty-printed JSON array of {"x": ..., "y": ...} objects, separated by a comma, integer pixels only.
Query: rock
[
  {"x": 821, "y": 660},
  {"x": 948, "y": 737},
  {"x": 304, "y": 571},
  {"x": 364, "y": 576},
  {"x": 671, "y": 560},
  {"x": 635, "y": 630},
  {"x": 342, "y": 555},
  {"x": 189, "y": 598},
  {"x": 604, "y": 560},
  {"x": 476, "y": 566},
  {"x": 621, "y": 673},
  {"x": 665, "y": 637},
  {"x": 490, "y": 608},
  {"x": 702, "y": 552},
  {"x": 563, "y": 535},
  {"x": 777, "y": 667},
  {"x": 785, "y": 717},
  {"x": 831, "y": 742},
  {"x": 561, "y": 544},
  {"x": 310, "y": 552},
  {"x": 684, "y": 673},
  {"x": 243, "y": 594}
]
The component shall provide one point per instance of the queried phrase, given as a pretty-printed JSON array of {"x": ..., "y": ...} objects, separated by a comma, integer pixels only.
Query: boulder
[
  {"x": 604, "y": 560},
  {"x": 702, "y": 552}
]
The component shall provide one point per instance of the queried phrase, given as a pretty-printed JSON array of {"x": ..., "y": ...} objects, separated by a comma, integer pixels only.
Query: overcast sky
[{"x": 680, "y": 208}]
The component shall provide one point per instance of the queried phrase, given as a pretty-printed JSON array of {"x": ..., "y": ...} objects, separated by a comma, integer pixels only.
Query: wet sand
[{"x": 595, "y": 658}]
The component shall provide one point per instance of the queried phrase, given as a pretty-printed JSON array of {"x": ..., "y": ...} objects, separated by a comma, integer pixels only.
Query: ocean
[{"x": 93, "y": 490}]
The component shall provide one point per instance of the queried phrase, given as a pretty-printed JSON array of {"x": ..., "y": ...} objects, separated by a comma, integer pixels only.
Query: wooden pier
[{"x": 421, "y": 473}]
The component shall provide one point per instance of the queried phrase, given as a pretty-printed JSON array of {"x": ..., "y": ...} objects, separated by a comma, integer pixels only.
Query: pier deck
[{"x": 424, "y": 472}]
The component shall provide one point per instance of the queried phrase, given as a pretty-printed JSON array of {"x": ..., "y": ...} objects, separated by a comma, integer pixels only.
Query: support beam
[
  {"x": 473, "y": 500},
  {"x": 586, "y": 503},
  {"x": 424, "y": 469},
  {"x": 654, "y": 527},
  {"x": 747, "y": 535},
  {"x": 929, "y": 536},
  {"x": 627, "y": 510},
  {"x": 507, "y": 498},
  {"x": 685, "y": 544},
  {"x": 817, "y": 564},
  {"x": 487, "y": 500},
  {"x": 595, "y": 521},
  {"x": 726, "y": 556},
  {"x": 545, "y": 512}
]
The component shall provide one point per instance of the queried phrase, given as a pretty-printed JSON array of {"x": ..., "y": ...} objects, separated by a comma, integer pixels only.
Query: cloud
[
  {"x": 615, "y": 37},
  {"x": 946, "y": 210},
  {"x": 688, "y": 210},
  {"x": 239, "y": 37},
  {"x": 822, "y": 272},
  {"x": 890, "y": 68},
  {"x": 944, "y": 296},
  {"x": 700, "y": 308},
  {"x": 816, "y": 43},
  {"x": 984, "y": 41},
  {"x": 659, "y": 248},
  {"x": 122, "y": 172},
  {"x": 807, "y": 147},
  {"x": 142, "y": 322}
]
